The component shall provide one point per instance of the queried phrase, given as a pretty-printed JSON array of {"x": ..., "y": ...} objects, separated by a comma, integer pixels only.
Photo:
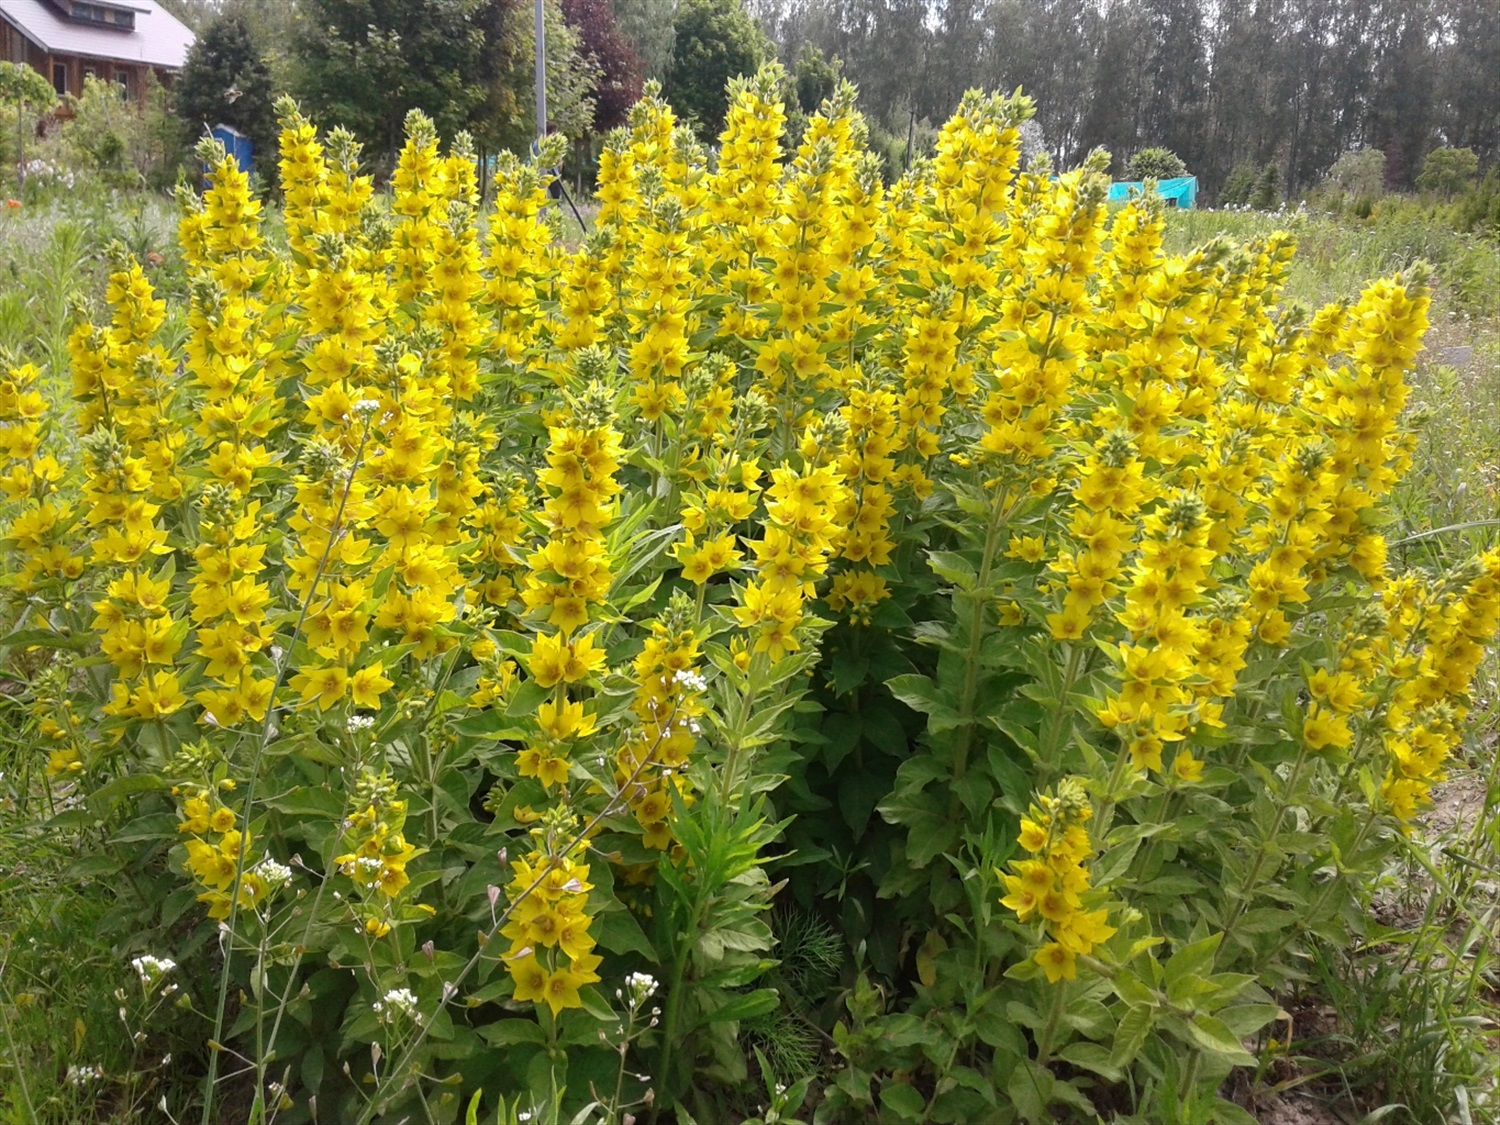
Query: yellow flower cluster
[
  {"x": 649, "y": 767},
  {"x": 216, "y": 850},
  {"x": 552, "y": 952},
  {"x": 1424, "y": 720},
  {"x": 33, "y": 481},
  {"x": 1052, "y": 885},
  {"x": 376, "y": 853}
]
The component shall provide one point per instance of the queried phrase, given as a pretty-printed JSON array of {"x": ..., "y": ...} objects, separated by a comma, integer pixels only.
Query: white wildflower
[{"x": 397, "y": 1002}]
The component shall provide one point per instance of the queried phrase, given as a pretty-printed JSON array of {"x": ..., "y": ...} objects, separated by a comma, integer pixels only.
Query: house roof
[{"x": 158, "y": 39}]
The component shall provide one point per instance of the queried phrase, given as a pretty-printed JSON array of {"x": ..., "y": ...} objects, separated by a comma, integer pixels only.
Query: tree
[
  {"x": 1155, "y": 164},
  {"x": 1267, "y": 190},
  {"x": 1447, "y": 171},
  {"x": 28, "y": 93},
  {"x": 814, "y": 78},
  {"x": 617, "y": 85},
  {"x": 1359, "y": 174},
  {"x": 365, "y": 63},
  {"x": 225, "y": 81},
  {"x": 506, "y": 119},
  {"x": 714, "y": 41},
  {"x": 648, "y": 24}
]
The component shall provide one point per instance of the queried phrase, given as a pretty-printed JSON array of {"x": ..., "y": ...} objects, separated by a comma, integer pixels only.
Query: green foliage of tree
[
  {"x": 1155, "y": 164},
  {"x": 572, "y": 77},
  {"x": 1219, "y": 84},
  {"x": 1479, "y": 208},
  {"x": 26, "y": 93},
  {"x": 715, "y": 40},
  {"x": 226, "y": 81},
  {"x": 1448, "y": 171},
  {"x": 365, "y": 63},
  {"x": 648, "y": 24},
  {"x": 814, "y": 78},
  {"x": 617, "y": 84},
  {"x": 1359, "y": 174},
  {"x": 1238, "y": 185},
  {"x": 1267, "y": 192}
]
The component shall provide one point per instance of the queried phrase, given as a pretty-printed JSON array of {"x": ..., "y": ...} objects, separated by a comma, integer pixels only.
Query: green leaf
[
  {"x": 921, "y": 694},
  {"x": 742, "y": 1007},
  {"x": 507, "y": 1033},
  {"x": 954, "y": 568},
  {"x": 1193, "y": 960},
  {"x": 904, "y": 1102},
  {"x": 1091, "y": 1056},
  {"x": 1030, "y": 1089},
  {"x": 46, "y": 638},
  {"x": 102, "y": 800},
  {"x": 1130, "y": 1036},
  {"x": 1211, "y": 1035},
  {"x": 309, "y": 801},
  {"x": 619, "y": 932}
]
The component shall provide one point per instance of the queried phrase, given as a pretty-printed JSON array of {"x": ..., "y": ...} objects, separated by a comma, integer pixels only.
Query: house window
[
  {"x": 122, "y": 80},
  {"x": 60, "y": 77}
]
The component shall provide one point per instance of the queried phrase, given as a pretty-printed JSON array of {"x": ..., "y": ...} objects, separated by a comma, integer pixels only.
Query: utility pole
[{"x": 541, "y": 72}]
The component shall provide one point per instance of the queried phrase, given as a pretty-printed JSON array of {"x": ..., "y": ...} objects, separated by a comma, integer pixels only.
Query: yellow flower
[
  {"x": 368, "y": 684},
  {"x": 1057, "y": 961},
  {"x": 324, "y": 685}
]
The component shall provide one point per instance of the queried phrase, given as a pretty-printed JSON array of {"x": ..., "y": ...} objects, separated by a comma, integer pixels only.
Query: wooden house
[{"x": 117, "y": 41}]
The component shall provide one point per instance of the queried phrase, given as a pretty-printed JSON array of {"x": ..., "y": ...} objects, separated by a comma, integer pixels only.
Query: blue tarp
[
  {"x": 1179, "y": 192},
  {"x": 237, "y": 145}
]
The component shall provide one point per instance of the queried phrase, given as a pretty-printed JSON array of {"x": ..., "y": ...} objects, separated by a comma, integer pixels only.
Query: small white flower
[
  {"x": 275, "y": 874},
  {"x": 83, "y": 1075},
  {"x": 641, "y": 986},
  {"x": 360, "y": 722},
  {"x": 692, "y": 680},
  {"x": 367, "y": 406},
  {"x": 151, "y": 969},
  {"x": 397, "y": 1002}
]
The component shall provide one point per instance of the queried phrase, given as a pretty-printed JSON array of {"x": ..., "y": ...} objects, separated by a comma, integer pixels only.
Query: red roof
[{"x": 158, "y": 38}]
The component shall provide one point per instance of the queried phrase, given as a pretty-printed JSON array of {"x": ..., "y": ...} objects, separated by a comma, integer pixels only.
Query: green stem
[
  {"x": 1247, "y": 888},
  {"x": 1054, "y": 1017},
  {"x": 674, "y": 995},
  {"x": 979, "y": 599},
  {"x": 376, "y": 1100},
  {"x": 1052, "y": 747},
  {"x": 742, "y": 720},
  {"x": 15, "y": 1058}
]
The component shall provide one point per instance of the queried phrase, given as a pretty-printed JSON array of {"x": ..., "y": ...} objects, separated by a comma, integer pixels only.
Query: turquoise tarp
[{"x": 1179, "y": 192}]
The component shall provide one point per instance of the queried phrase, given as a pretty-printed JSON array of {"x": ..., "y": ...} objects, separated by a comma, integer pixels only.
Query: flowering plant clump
[{"x": 480, "y": 628}]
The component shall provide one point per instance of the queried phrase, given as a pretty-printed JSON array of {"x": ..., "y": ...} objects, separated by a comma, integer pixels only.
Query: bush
[
  {"x": 1266, "y": 194},
  {"x": 1448, "y": 171},
  {"x": 457, "y": 644},
  {"x": 1478, "y": 209},
  {"x": 1238, "y": 186},
  {"x": 1355, "y": 176},
  {"x": 119, "y": 143},
  {"x": 1155, "y": 164}
]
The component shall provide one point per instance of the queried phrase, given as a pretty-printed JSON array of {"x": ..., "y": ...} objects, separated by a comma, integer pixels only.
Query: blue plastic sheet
[{"x": 1181, "y": 191}]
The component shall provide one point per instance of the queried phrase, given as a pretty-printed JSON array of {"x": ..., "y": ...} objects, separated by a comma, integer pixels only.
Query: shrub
[
  {"x": 478, "y": 636},
  {"x": 1357, "y": 175},
  {"x": 1238, "y": 186},
  {"x": 1448, "y": 171},
  {"x": 1266, "y": 193},
  {"x": 1478, "y": 209},
  {"x": 1155, "y": 164}
]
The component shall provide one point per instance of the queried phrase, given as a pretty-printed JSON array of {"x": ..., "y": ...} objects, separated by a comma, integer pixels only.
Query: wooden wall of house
[{"x": 15, "y": 47}]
